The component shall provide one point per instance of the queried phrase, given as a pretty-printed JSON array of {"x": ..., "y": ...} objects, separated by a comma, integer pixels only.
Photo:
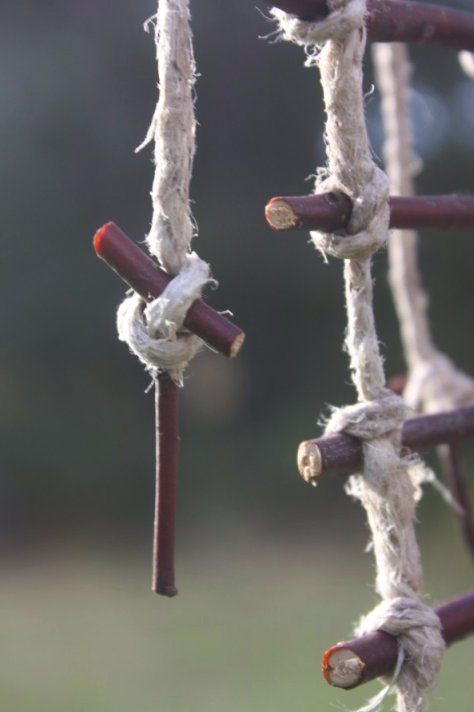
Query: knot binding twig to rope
[{"x": 155, "y": 333}]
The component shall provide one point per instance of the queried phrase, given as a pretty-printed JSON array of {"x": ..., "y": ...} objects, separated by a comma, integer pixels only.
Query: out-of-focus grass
[{"x": 81, "y": 632}]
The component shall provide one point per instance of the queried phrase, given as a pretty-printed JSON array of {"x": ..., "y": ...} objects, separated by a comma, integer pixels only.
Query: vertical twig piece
[
  {"x": 167, "y": 436},
  {"x": 450, "y": 457}
]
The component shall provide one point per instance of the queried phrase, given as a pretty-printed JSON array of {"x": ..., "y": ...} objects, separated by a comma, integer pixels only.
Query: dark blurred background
[{"x": 77, "y": 88}]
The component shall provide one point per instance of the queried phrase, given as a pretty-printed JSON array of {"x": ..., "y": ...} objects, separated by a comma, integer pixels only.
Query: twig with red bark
[
  {"x": 144, "y": 276},
  {"x": 397, "y": 21},
  {"x": 167, "y": 438},
  {"x": 451, "y": 460},
  {"x": 348, "y": 665},
  {"x": 331, "y": 212},
  {"x": 341, "y": 454}
]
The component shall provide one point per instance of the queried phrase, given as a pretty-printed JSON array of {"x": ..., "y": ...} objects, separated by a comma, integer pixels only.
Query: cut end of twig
[
  {"x": 309, "y": 461},
  {"x": 99, "y": 237},
  {"x": 164, "y": 589},
  {"x": 342, "y": 667},
  {"x": 280, "y": 215},
  {"x": 237, "y": 344}
]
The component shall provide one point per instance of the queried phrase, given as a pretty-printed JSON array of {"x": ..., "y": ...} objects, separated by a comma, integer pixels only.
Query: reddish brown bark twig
[
  {"x": 451, "y": 460},
  {"x": 147, "y": 279},
  {"x": 397, "y": 21},
  {"x": 348, "y": 665},
  {"x": 331, "y": 212},
  {"x": 167, "y": 437},
  {"x": 144, "y": 276},
  {"x": 342, "y": 454}
]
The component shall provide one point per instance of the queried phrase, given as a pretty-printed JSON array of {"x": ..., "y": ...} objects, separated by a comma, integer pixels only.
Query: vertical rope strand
[
  {"x": 155, "y": 332},
  {"x": 385, "y": 488}
]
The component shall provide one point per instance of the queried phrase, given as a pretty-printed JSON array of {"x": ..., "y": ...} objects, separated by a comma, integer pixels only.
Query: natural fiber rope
[
  {"x": 434, "y": 383},
  {"x": 155, "y": 332},
  {"x": 386, "y": 491}
]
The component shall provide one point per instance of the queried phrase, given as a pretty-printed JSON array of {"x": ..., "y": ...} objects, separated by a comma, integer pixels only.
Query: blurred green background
[{"x": 270, "y": 571}]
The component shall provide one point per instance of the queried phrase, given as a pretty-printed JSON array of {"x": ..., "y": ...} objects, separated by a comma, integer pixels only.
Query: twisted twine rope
[
  {"x": 386, "y": 491},
  {"x": 155, "y": 332},
  {"x": 434, "y": 382}
]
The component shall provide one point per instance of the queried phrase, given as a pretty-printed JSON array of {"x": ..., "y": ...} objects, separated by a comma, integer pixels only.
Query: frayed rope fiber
[
  {"x": 385, "y": 489},
  {"x": 155, "y": 333}
]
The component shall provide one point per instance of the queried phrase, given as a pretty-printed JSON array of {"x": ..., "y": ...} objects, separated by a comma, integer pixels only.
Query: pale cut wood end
[
  {"x": 280, "y": 215},
  {"x": 309, "y": 461},
  {"x": 342, "y": 668},
  {"x": 237, "y": 344}
]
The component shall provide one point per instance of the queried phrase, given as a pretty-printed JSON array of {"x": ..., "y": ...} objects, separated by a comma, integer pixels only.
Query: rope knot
[
  {"x": 369, "y": 420},
  {"x": 437, "y": 384},
  {"x": 368, "y": 226},
  {"x": 337, "y": 45},
  {"x": 344, "y": 17},
  {"x": 420, "y": 643},
  {"x": 154, "y": 332}
]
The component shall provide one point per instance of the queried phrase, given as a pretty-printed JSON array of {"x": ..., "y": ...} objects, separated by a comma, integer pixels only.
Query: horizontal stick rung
[
  {"x": 143, "y": 275},
  {"x": 331, "y": 212},
  {"x": 348, "y": 665},
  {"x": 397, "y": 21},
  {"x": 341, "y": 454}
]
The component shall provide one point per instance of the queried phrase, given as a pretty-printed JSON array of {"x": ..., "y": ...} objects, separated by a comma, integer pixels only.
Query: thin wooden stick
[
  {"x": 348, "y": 665},
  {"x": 331, "y": 212},
  {"x": 396, "y": 21},
  {"x": 451, "y": 460},
  {"x": 144, "y": 276},
  {"x": 167, "y": 437},
  {"x": 342, "y": 454}
]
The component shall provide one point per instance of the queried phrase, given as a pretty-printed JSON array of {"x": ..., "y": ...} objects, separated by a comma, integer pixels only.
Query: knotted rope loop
[
  {"x": 418, "y": 631},
  {"x": 158, "y": 354},
  {"x": 367, "y": 229},
  {"x": 436, "y": 384},
  {"x": 370, "y": 419},
  {"x": 336, "y": 44},
  {"x": 155, "y": 333}
]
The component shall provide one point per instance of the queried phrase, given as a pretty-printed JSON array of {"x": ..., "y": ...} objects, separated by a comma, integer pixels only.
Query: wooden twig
[
  {"x": 342, "y": 454},
  {"x": 451, "y": 460},
  {"x": 167, "y": 437},
  {"x": 331, "y": 212},
  {"x": 396, "y": 21},
  {"x": 348, "y": 665},
  {"x": 144, "y": 276}
]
